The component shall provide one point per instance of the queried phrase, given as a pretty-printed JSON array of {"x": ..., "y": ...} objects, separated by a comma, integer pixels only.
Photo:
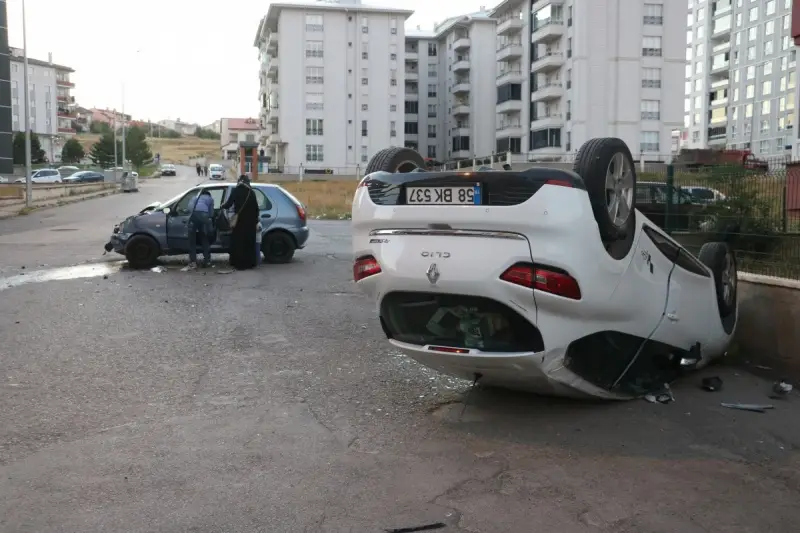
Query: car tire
[
  {"x": 141, "y": 251},
  {"x": 606, "y": 165},
  {"x": 720, "y": 259},
  {"x": 395, "y": 159},
  {"x": 277, "y": 247}
]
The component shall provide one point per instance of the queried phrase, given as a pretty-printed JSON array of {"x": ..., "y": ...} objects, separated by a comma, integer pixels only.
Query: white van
[
  {"x": 216, "y": 172},
  {"x": 43, "y": 175}
]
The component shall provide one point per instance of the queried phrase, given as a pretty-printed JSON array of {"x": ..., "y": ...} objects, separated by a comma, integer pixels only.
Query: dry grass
[
  {"x": 171, "y": 150},
  {"x": 324, "y": 199}
]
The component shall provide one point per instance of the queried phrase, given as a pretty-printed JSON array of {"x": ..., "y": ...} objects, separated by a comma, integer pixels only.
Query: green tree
[
  {"x": 72, "y": 152},
  {"x": 202, "y": 133},
  {"x": 99, "y": 127},
  {"x": 37, "y": 154},
  {"x": 103, "y": 151},
  {"x": 169, "y": 134},
  {"x": 137, "y": 150}
]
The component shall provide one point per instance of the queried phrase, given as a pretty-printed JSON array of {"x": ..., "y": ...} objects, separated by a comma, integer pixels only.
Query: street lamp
[{"x": 28, "y": 165}]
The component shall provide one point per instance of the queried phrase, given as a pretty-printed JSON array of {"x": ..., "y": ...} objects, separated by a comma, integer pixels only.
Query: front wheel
[
  {"x": 277, "y": 247},
  {"x": 141, "y": 251}
]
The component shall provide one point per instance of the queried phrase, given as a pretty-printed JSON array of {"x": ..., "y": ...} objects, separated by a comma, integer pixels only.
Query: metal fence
[{"x": 756, "y": 211}]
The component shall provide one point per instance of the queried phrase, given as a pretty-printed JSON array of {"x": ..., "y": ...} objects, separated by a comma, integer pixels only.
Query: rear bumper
[
  {"x": 301, "y": 236},
  {"x": 541, "y": 373}
]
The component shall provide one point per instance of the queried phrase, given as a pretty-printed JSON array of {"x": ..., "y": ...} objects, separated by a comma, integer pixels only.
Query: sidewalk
[{"x": 16, "y": 207}]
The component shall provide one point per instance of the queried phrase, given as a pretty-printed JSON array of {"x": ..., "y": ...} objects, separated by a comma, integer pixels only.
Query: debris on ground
[
  {"x": 662, "y": 395},
  {"x": 159, "y": 269},
  {"x": 781, "y": 389},
  {"x": 228, "y": 271},
  {"x": 426, "y": 527},
  {"x": 756, "y": 408},
  {"x": 712, "y": 384}
]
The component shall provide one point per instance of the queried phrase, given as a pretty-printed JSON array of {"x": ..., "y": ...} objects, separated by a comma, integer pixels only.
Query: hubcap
[
  {"x": 729, "y": 279},
  {"x": 619, "y": 189}
]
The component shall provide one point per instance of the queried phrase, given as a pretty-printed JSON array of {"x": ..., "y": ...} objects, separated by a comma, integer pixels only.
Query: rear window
[
  {"x": 289, "y": 195},
  {"x": 457, "y": 321}
]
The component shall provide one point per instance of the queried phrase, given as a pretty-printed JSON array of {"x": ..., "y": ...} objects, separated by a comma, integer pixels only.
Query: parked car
[
  {"x": 703, "y": 195},
  {"x": 43, "y": 175},
  {"x": 216, "y": 172},
  {"x": 160, "y": 229},
  {"x": 4, "y": 180},
  {"x": 67, "y": 171},
  {"x": 85, "y": 176},
  {"x": 168, "y": 170},
  {"x": 543, "y": 280}
]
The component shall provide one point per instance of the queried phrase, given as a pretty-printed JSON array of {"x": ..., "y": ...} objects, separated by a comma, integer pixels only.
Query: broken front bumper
[{"x": 117, "y": 243}]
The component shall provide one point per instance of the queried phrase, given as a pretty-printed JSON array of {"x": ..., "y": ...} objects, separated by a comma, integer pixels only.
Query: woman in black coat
[{"x": 243, "y": 235}]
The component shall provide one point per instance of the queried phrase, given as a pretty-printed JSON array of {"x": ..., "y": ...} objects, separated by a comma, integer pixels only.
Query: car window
[
  {"x": 51, "y": 172},
  {"x": 263, "y": 202},
  {"x": 675, "y": 253},
  {"x": 182, "y": 207},
  {"x": 218, "y": 194},
  {"x": 703, "y": 194}
]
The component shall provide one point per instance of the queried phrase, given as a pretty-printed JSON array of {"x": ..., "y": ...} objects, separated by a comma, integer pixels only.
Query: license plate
[{"x": 444, "y": 195}]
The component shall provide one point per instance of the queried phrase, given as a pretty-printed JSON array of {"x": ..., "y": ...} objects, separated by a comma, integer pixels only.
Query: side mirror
[{"x": 167, "y": 210}]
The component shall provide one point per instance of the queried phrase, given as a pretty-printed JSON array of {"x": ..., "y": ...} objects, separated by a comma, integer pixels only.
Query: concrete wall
[{"x": 47, "y": 192}]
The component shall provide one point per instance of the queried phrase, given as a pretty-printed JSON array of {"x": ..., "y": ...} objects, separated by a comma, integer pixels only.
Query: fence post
[
  {"x": 641, "y": 163},
  {"x": 474, "y": 164},
  {"x": 508, "y": 157},
  {"x": 302, "y": 170},
  {"x": 358, "y": 173},
  {"x": 668, "y": 205}
]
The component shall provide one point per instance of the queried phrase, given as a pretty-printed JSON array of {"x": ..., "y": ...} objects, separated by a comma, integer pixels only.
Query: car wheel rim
[
  {"x": 407, "y": 166},
  {"x": 277, "y": 249},
  {"x": 619, "y": 189},
  {"x": 729, "y": 279}
]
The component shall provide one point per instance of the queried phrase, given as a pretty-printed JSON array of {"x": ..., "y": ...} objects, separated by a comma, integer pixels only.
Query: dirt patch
[{"x": 325, "y": 199}]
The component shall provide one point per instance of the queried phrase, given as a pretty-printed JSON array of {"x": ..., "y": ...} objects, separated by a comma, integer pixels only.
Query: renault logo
[{"x": 433, "y": 274}]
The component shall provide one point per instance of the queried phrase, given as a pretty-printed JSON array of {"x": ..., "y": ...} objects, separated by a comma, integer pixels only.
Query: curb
[{"x": 73, "y": 200}]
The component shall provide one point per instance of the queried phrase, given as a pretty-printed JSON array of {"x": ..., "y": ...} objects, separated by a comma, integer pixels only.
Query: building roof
[
  {"x": 478, "y": 16},
  {"x": 243, "y": 123},
  {"x": 420, "y": 34},
  {"x": 17, "y": 55},
  {"x": 270, "y": 20},
  {"x": 505, "y": 5}
]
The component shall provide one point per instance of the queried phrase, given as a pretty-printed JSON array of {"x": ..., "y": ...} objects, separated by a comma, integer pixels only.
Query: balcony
[
  {"x": 549, "y": 30},
  {"x": 66, "y": 130},
  {"x": 461, "y": 65},
  {"x": 547, "y": 63},
  {"x": 64, "y": 83},
  {"x": 551, "y": 120},
  {"x": 719, "y": 102},
  {"x": 546, "y": 151},
  {"x": 509, "y": 26},
  {"x": 461, "y": 43},
  {"x": 720, "y": 68},
  {"x": 414, "y": 137},
  {"x": 509, "y": 106},
  {"x": 538, "y": 4},
  {"x": 509, "y": 51},
  {"x": 62, "y": 98},
  {"x": 462, "y": 130},
  {"x": 274, "y": 138},
  {"x": 461, "y": 87},
  {"x": 721, "y": 84},
  {"x": 273, "y": 114},
  {"x": 461, "y": 108},
  {"x": 412, "y": 75},
  {"x": 272, "y": 71},
  {"x": 508, "y": 130},
  {"x": 549, "y": 91},
  {"x": 509, "y": 76},
  {"x": 722, "y": 7},
  {"x": 412, "y": 117},
  {"x": 64, "y": 113},
  {"x": 412, "y": 96},
  {"x": 412, "y": 55},
  {"x": 721, "y": 28},
  {"x": 272, "y": 42},
  {"x": 462, "y": 154}
]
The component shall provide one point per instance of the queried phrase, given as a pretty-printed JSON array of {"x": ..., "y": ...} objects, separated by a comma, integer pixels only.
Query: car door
[{"x": 178, "y": 219}]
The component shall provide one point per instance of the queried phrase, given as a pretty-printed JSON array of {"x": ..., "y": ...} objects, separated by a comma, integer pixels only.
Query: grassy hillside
[{"x": 173, "y": 150}]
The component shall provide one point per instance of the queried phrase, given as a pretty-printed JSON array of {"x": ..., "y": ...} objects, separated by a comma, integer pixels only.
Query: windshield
[{"x": 215, "y": 167}]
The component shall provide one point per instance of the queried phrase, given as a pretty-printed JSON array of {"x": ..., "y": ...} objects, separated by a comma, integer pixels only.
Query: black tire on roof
[
  {"x": 720, "y": 259},
  {"x": 395, "y": 159},
  {"x": 608, "y": 170}
]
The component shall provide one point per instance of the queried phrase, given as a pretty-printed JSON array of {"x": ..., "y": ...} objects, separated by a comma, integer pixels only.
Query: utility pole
[
  {"x": 28, "y": 165},
  {"x": 124, "y": 122},
  {"x": 115, "y": 147}
]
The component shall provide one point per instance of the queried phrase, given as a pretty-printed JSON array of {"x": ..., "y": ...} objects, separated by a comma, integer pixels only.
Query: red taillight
[
  {"x": 365, "y": 267},
  {"x": 559, "y": 183},
  {"x": 364, "y": 182},
  {"x": 301, "y": 212},
  {"x": 544, "y": 279}
]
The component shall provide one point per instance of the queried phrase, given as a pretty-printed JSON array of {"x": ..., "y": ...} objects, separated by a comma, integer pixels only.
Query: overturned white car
[{"x": 543, "y": 280}]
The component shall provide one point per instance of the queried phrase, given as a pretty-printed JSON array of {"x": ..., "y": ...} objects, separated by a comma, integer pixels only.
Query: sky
[{"x": 170, "y": 59}]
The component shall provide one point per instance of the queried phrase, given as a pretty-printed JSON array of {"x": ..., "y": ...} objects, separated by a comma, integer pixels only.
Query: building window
[
  {"x": 313, "y": 126},
  {"x": 753, "y": 14},
  {"x": 364, "y": 25},
  {"x": 651, "y": 110},
  {"x": 249, "y": 137},
  {"x": 364, "y": 156},
  {"x": 313, "y": 48},
  {"x": 364, "y": 107},
  {"x": 393, "y": 108},
  {"x": 654, "y": 14},
  {"x": 651, "y": 46},
  {"x": 392, "y": 129},
  {"x": 766, "y": 88},
  {"x": 765, "y": 126},
  {"x": 648, "y": 141},
  {"x": 364, "y": 55},
  {"x": 314, "y": 101},
  {"x": 393, "y": 78},
  {"x": 651, "y": 78},
  {"x": 431, "y": 49},
  {"x": 770, "y": 8},
  {"x": 364, "y": 76},
  {"x": 393, "y": 26},
  {"x": 766, "y": 107},
  {"x": 411, "y": 128},
  {"x": 432, "y": 70},
  {"x": 432, "y": 152},
  {"x": 431, "y": 90},
  {"x": 364, "y": 129},
  {"x": 431, "y": 131},
  {"x": 314, "y": 153},
  {"x": 314, "y": 75},
  {"x": 314, "y": 23},
  {"x": 431, "y": 110}
]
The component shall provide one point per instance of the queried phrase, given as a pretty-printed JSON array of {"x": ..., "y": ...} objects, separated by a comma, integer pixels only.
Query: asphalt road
[{"x": 268, "y": 401}]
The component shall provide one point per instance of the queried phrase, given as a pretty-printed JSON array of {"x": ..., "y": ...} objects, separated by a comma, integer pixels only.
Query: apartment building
[
  {"x": 236, "y": 130},
  {"x": 51, "y": 102},
  {"x": 741, "y": 76},
  {"x": 449, "y": 86},
  {"x": 592, "y": 69},
  {"x": 6, "y": 129},
  {"x": 332, "y": 77}
]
